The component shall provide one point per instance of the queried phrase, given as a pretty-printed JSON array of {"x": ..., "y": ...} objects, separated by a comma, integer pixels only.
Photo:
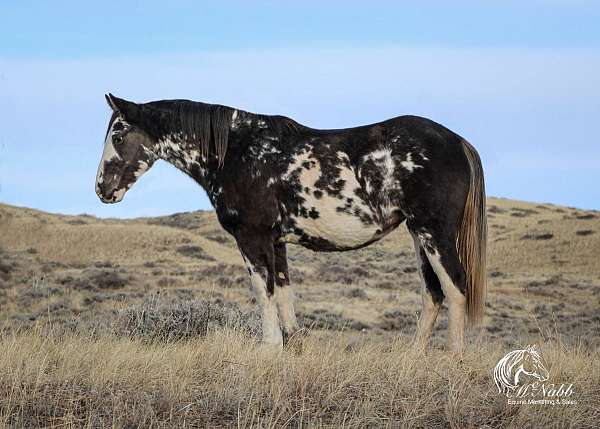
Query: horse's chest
[{"x": 325, "y": 205}]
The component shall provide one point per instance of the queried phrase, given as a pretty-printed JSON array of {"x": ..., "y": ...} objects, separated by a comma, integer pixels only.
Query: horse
[
  {"x": 518, "y": 363},
  {"x": 273, "y": 181}
]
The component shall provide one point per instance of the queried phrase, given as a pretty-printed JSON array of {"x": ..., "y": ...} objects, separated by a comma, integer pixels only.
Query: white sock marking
[{"x": 456, "y": 304}]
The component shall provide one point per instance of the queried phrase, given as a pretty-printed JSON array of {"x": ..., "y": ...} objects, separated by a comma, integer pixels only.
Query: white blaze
[{"x": 108, "y": 154}]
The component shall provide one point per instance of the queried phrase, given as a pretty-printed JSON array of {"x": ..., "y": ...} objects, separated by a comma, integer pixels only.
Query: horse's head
[
  {"x": 532, "y": 364},
  {"x": 128, "y": 151}
]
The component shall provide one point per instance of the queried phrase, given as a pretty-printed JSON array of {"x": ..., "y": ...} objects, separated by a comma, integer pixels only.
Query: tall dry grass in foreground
[{"x": 226, "y": 380}]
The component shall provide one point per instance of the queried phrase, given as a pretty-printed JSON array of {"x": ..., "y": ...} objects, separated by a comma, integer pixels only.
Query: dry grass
[
  {"x": 149, "y": 323},
  {"x": 225, "y": 379}
]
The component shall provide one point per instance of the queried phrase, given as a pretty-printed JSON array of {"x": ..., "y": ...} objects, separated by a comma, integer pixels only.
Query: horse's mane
[{"x": 204, "y": 123}]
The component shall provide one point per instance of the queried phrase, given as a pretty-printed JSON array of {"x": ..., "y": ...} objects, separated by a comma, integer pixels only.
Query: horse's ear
[
  {"x": 110, "y": 103},
  {"x": 128, "y": 109}
]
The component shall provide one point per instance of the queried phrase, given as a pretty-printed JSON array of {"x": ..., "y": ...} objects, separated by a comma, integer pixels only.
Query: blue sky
[{"x": 520, "y": 80}]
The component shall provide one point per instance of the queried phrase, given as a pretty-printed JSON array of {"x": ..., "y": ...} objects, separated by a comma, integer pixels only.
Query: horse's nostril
[{"x": 104, "y": 194}]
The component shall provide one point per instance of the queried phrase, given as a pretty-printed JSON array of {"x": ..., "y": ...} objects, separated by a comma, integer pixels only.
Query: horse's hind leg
[
  {"x": 442, "y": 255},
  {"x": 284, "y": 296},
  {"x": 431, "y": 295}
]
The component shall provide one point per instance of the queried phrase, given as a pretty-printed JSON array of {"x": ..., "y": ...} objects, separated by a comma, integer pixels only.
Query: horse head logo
[{"x": 516, "y": 365}]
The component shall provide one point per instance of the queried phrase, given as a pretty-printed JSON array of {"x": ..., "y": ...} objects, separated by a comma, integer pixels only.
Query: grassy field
[{"x": 150, "y": 323}]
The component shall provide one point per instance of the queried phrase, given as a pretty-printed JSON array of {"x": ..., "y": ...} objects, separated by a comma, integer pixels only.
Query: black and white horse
[{"x": 273, "y": 181}]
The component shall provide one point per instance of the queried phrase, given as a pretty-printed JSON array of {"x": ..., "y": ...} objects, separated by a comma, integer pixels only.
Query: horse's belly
[
  {"x": 340, "y": 230},
  {"x": 330, "y": 214}
]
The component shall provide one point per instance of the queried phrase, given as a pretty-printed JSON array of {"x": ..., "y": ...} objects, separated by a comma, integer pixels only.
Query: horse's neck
[
  {"x": 204, "y": 170},
  {"x": 174, "y": 150}
]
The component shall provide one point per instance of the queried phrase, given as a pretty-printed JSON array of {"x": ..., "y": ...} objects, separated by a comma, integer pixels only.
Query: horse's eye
[{"x": 119, "y": 131}]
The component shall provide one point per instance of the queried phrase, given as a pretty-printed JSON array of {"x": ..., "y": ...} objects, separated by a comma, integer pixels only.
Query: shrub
[
  {"x": 356, "y": 293},
  {"x": 97, "y": 279},
  {"x": 219, "y": 237},
  {"x": 192, "y": 251},
  {"x": 178, "y": 320},
  {"x": 538, "y": 236},
  {"x": 397, "y": 320},
  {"x": 187, "y": 220},
  {"x": 586, "y": 216}
]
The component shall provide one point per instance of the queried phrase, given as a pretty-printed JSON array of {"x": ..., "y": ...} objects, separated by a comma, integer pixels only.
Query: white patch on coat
[
  {"x": 261, "y": 123},
  {"x": 340, "y": 228},
  {"x": 170, "y": 149},
  {"x": 120, "y": 193},
  {"x": 384, "y": 161},
  {"x": 264, "y": 151},
  {"x": 271, "y": 331},
  {"x": 191, "y": 157},
  {"x": 409, "y": 164},
  {"x": 169, "y": 145},
  {"x": 142, "y": 168},
  {"x": 425, "y": 236}
]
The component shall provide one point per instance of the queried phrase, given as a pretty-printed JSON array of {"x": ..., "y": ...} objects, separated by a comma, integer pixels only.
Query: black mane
[
  {"x": 198, "y": 122},
  {"x": 207, "y": 124}
]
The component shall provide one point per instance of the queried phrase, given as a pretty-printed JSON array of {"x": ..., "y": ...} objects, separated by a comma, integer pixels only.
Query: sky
[{"x": 519, "y": 80}]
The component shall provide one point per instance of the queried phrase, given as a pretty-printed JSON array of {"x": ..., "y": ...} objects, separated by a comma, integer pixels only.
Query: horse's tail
[{"x": 472, "y": 237}]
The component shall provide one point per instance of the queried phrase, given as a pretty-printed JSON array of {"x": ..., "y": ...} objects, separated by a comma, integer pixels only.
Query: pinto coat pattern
[{"x": 273, "y": 181}]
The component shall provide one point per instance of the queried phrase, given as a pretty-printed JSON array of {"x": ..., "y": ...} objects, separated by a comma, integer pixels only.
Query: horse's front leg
[
  {"x": 259, "y": 257},
  {"x": 284, "y": 295}
]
